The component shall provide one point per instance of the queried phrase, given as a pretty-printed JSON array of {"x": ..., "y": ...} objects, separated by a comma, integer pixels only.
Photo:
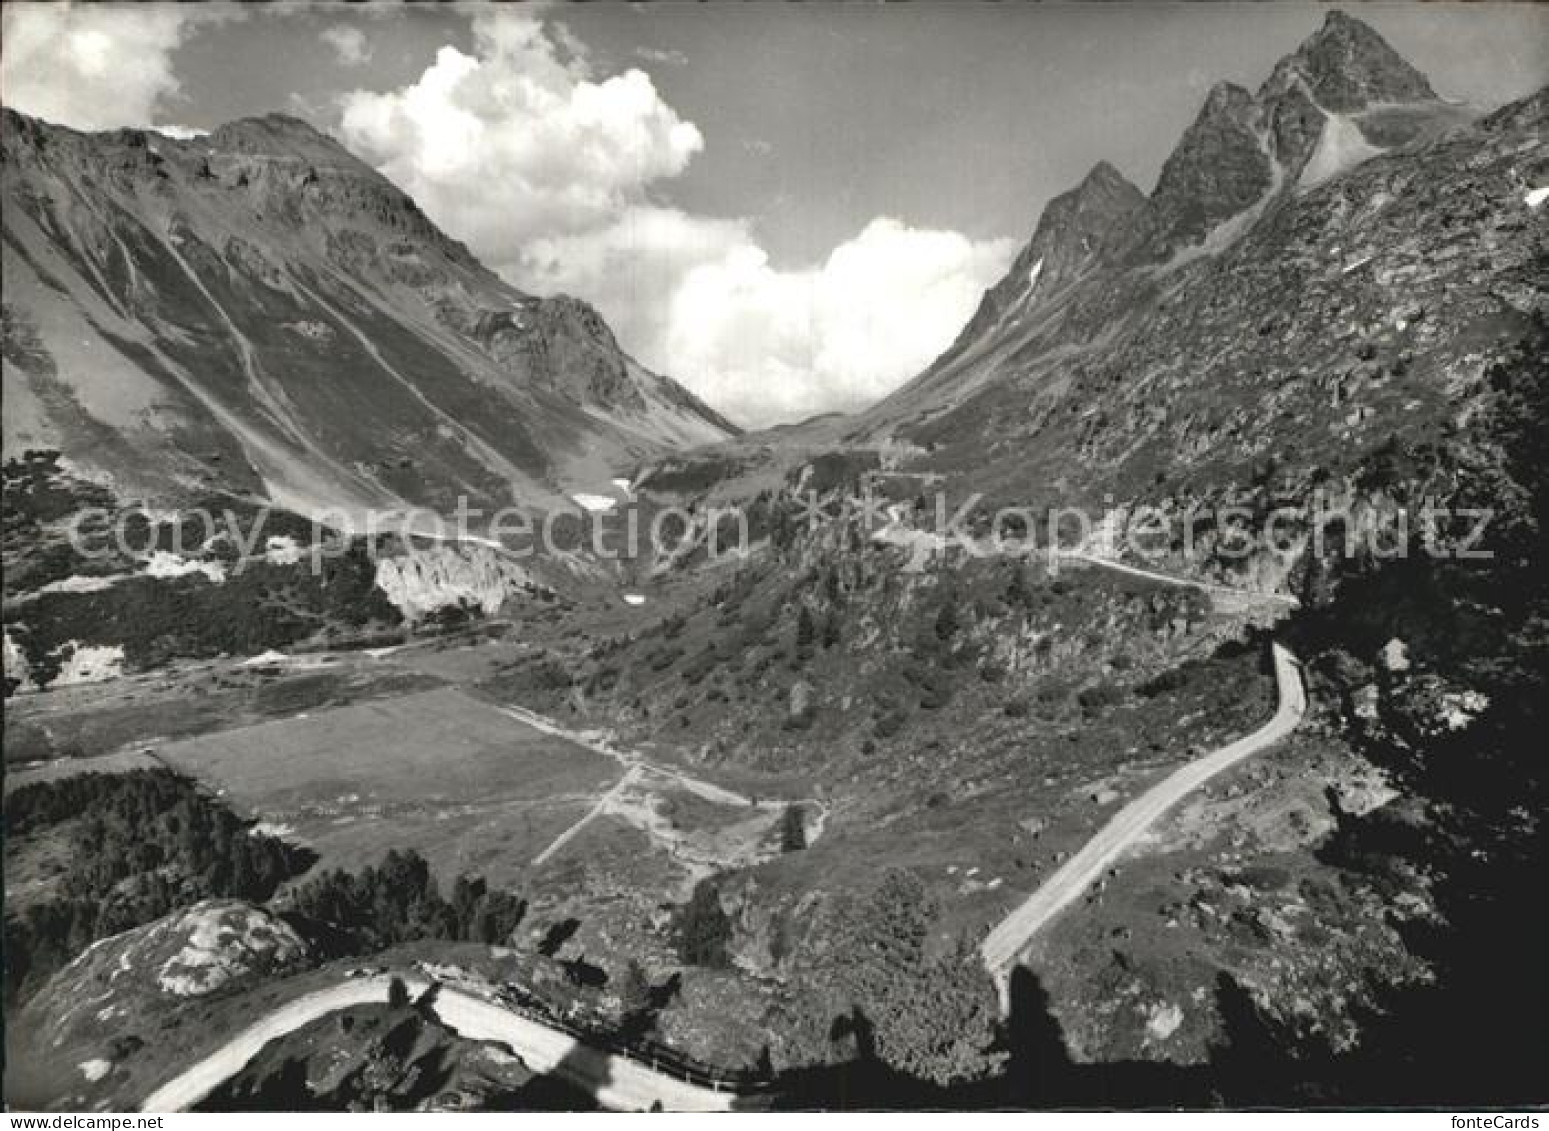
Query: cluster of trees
[
  {"x": 400, "y": 901},
  {"x": 261, "y": 607},
  {"x": 139, "y": 845},
  {"x": 793, "y": 829},
  {"x": 38, "y": 491},
  {"x": 882, "y": 991},
  {"x": 264, "y": 605},
  {"x": 809, "y": 633},
  {"x": 702, "y": 930}
]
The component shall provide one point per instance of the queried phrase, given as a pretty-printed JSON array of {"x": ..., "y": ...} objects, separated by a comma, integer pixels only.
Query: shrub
[
  {"x": 1099, "y": 696},
  {"x": 890, "y": 722},
  {"x": 703, "y": 929},
  {"x": 127, "y": 836},
  {"x": 793, "y": 829},
  {"x": 1171, "y": 680}
]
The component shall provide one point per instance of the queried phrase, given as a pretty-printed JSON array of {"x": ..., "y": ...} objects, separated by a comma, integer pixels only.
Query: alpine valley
[{"x": 337, "y": 815}]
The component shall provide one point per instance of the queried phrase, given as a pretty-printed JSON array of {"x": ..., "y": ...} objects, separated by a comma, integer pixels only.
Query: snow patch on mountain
[
  {"x": 77, "y": 583},
  {"x": 281, "y": 549},
  {"x": 1341, "y": 146},
  {"x": 16, "y": 666},
  {"x": 1032, "y": 276},
  {"x": 595, "y": 503},
  {"x": 87, "y": 663},
  {"x": 164, "y": 564}
]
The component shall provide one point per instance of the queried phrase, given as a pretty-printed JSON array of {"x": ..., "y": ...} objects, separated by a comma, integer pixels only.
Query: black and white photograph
[{"x": 832, "y": 557}]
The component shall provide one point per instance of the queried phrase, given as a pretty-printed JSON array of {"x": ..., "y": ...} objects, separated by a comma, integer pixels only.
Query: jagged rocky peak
[
  {"x": 560, "y": 343},
  {"x": 1071, "y": 237},
  {"x": 1075, "y": 225},
  {"x": 1103, "y": 196},
  {"x": 1219, "y": 168},
  {"x": 1226, "y": 161},
  {"x": 1346, "y": 87},
  {"x": 1347, "y": 66}
]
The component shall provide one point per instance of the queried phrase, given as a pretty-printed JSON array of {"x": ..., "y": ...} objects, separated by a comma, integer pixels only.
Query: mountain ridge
[
  {"x": 1243, "y": 155},
  {"x": 1256, "y": 179},
  {"x": 278, "y": 317}
]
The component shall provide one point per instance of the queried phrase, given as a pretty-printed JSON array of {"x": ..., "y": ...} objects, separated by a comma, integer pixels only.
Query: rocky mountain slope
[
  {"x": 1335, "y": 287},
  {"x": 1321, "y": 263},
  {"x": 1336, "y": 284},
  {"x": 72, "y": 1035},
  {"x": 257, "y": 310}
]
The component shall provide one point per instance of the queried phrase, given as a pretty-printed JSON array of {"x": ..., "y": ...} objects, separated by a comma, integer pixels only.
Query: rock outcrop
[
  {"x": 216, "y": 945},
  {"x": 421, "y": 581}
]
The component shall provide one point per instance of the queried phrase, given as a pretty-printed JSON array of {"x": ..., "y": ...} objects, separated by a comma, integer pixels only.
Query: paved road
[
  {"x": 1167, "y": 579},
  {"x": 189, "y": 1087},
  {"x": 617, "y": 1082},
  {"x": 1011, "y": 936}
]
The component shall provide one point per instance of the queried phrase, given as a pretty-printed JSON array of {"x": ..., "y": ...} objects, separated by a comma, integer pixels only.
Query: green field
[{"x": 450, "y": 776}]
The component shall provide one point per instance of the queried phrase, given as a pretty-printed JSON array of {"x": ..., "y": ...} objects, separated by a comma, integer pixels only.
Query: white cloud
[
  {"x": 699, "y": 299},
  {"x": 517, "y": 141},
  {"x": 545, "y": 168},
  {"x": 181, "y": 133},
  {"x": 95, "y": 66},
  {"x": 770, "y": 345},
  {"x": 349, "y": 44},
  {"x": 629, "y": 268},
  {"x": 663, "y": 56}
]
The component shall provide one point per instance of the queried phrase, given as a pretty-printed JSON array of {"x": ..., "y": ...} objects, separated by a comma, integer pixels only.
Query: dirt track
[{"x": 1012, "y": 935}]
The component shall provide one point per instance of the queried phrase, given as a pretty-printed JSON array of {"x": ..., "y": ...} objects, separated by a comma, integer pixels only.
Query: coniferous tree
[
  {"x": 793, "y": 829},
  {"x": 635, "y": 993},
  {"x": 806, "y": 633},
  {"x": 704, "y": 929}
]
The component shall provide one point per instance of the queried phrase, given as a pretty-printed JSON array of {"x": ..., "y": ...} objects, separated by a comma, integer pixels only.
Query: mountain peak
[
  {"x": 331, "y": 318},
  {"x": 1103, "y": 177},
  {"x": 276, "y": 134},
  {"x": 1071, "y": 237},
  {"x": 1218, "y": 169},
  {"x": 1225, "y": 98},
  {"x": 1347, "y": 65}
]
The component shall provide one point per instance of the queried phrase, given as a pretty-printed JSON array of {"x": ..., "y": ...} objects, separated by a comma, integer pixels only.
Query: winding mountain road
[
  {"x": 617, "y": 1082},
  {"x": 622, "y": 1083},
  {"x": 1184, "y": 582},
  {"x": 1012, "y": 935}
]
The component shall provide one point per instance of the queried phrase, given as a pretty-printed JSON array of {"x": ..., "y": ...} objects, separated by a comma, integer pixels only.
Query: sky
[{"x": 790, "y": 208}]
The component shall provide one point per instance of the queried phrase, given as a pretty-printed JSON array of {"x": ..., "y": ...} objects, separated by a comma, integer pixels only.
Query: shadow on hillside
[{"x": 1039, "y": 1073}]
